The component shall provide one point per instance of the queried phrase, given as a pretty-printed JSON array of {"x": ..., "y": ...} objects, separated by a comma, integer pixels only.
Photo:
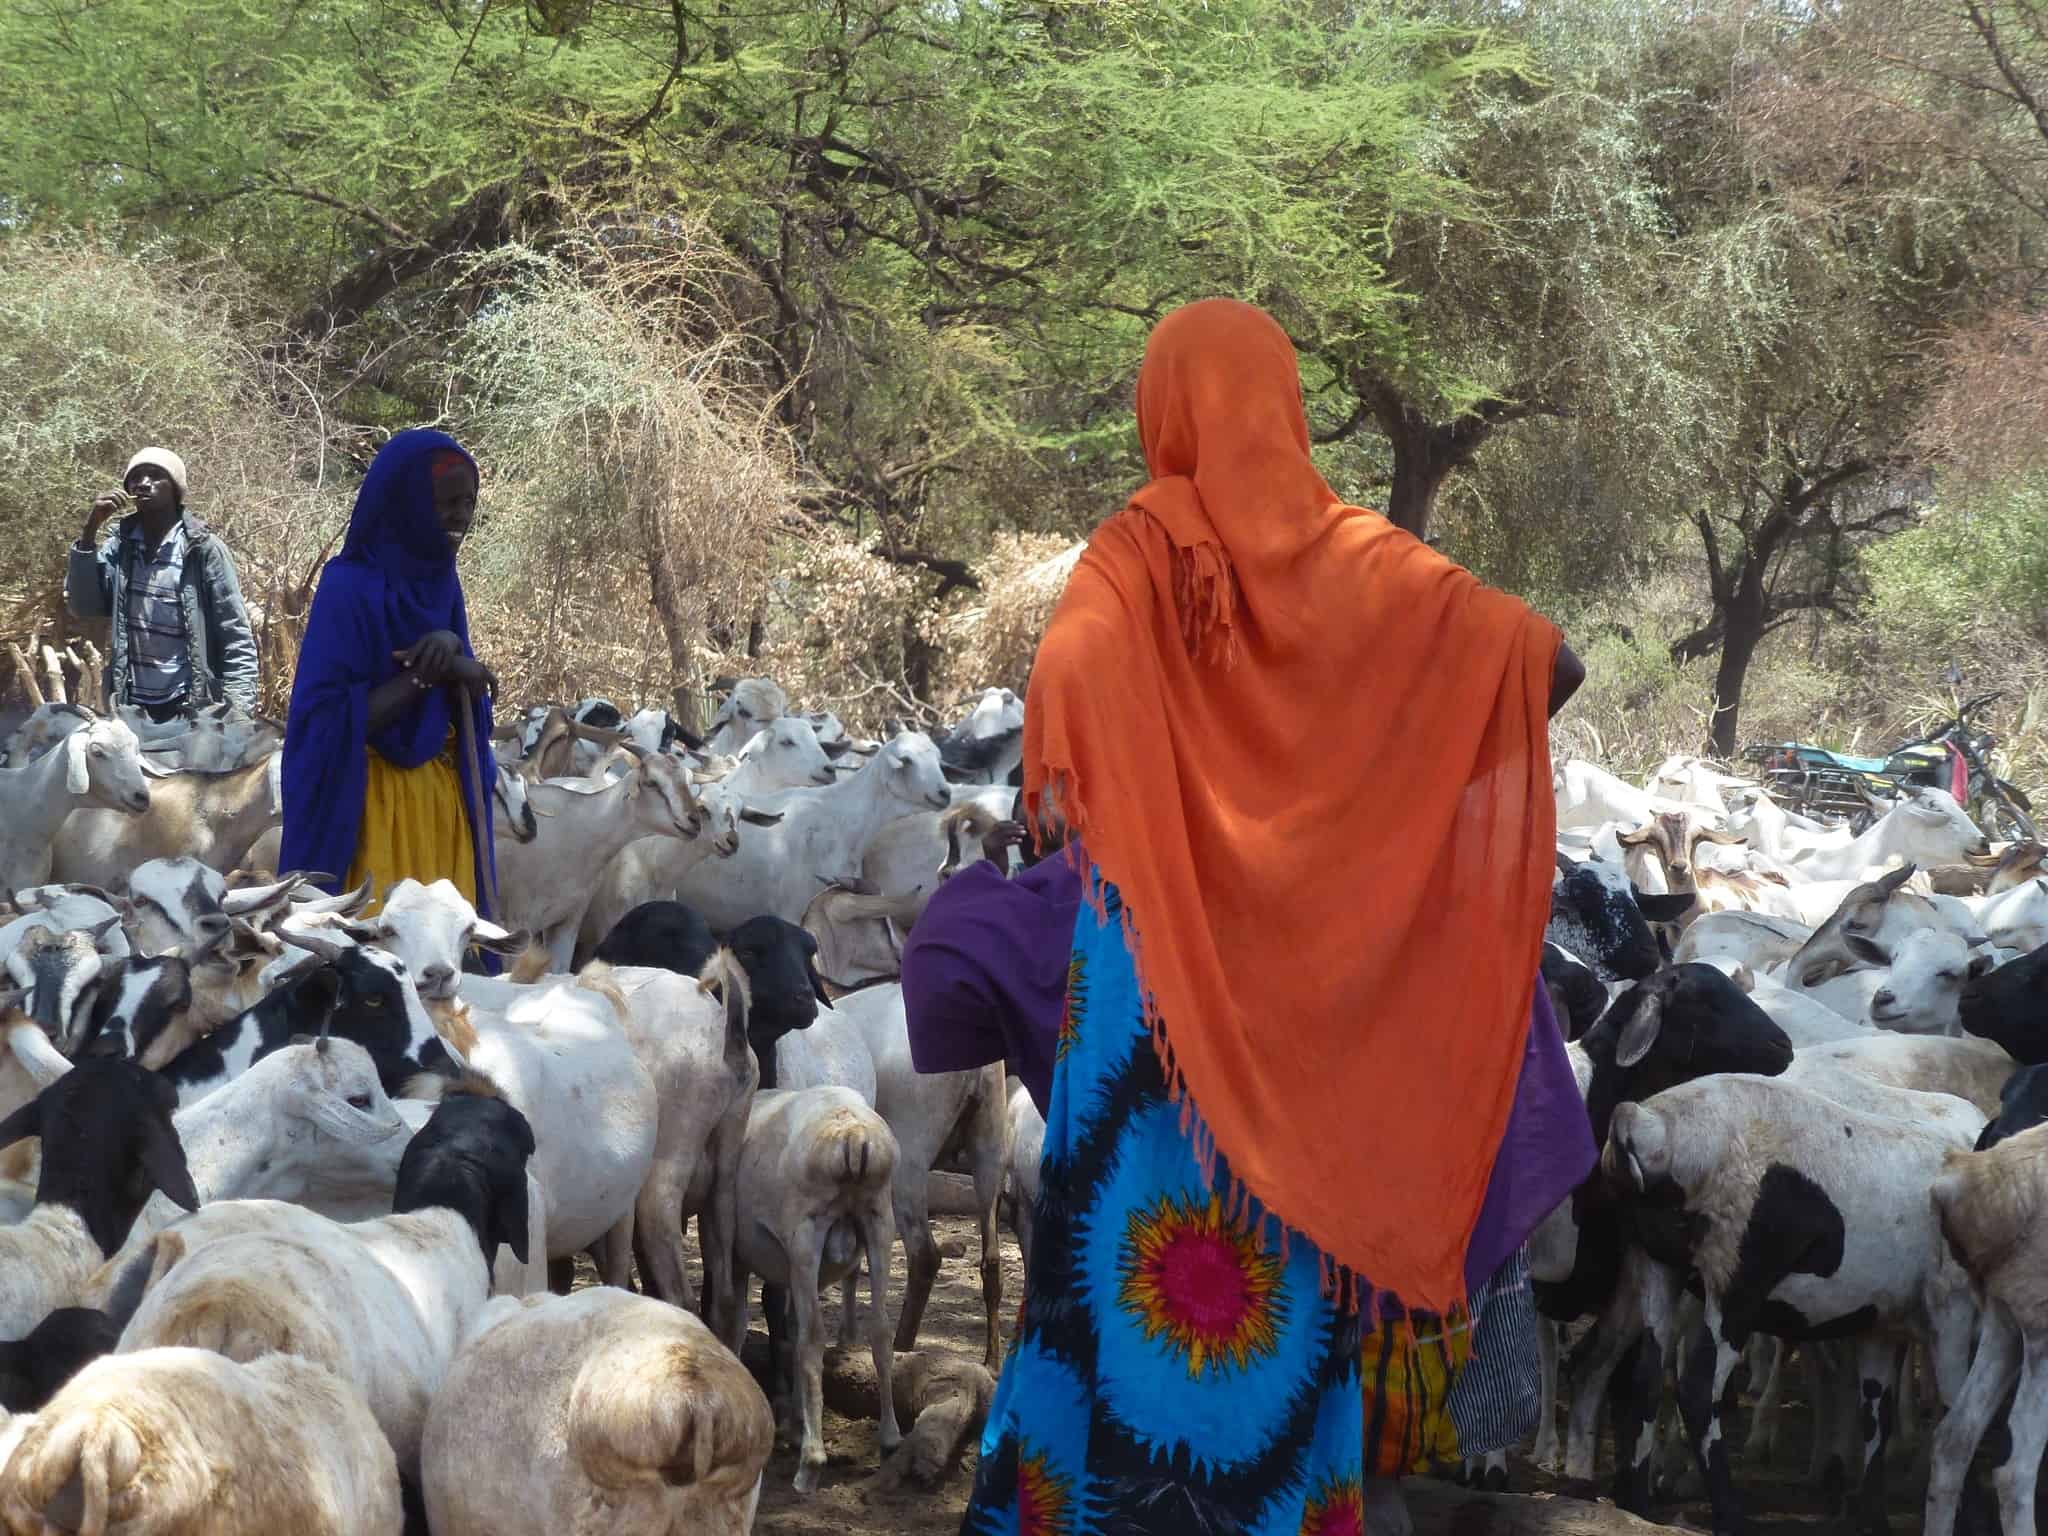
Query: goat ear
[
  {"x": 811, "y": 970},
  {"x": 24, "y": 1122},
  {"x": 1666, "y": 909},
  {"x": 1866, "y": 950},
  {"x": 1983, "y": 965},
  {"x": 499, "y": 941},
  {"x": 163, "y": 1159},
  {"x": 1640, "y": 1033},
  {"x": 761, "y": 818},
  {"x": 508, "y": 1217},
  {"x": 77, "y": 776}
]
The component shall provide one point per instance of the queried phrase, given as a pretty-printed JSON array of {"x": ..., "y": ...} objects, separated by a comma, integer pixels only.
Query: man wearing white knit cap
[{"x": 180, "y": 636}]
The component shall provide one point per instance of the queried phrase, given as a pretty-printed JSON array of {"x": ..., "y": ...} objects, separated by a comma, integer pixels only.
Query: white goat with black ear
[
  {"x": 597, "y": 1411},
  {"x": 383, "y": 1304},
  {"x": 98, "y": 764},
  {"x": 814, "y": 1193},
  {"x": 107, "y": 1142},
  {"x": 173, "y": 1441}
]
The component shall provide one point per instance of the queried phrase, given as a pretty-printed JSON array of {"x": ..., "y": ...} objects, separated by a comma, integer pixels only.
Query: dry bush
[
  {"x": 1022, "y": 576},
  {"x": 638, "y": 488}
]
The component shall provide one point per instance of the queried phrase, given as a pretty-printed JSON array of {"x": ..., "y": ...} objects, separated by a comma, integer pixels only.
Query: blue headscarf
[{"x": 393, "y": 582}]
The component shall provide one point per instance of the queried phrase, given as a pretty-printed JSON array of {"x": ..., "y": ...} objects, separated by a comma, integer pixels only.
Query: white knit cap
[{"x": 163, "y": 459}]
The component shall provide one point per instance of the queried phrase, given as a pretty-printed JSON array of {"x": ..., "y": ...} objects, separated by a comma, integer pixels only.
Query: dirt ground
[
  {"x": 848, "y": 1503},
  {"x": 1778, "y": 1498}
]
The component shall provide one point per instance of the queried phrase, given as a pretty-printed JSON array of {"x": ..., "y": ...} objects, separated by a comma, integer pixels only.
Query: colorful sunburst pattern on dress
[
  {"x": 1205, "y": 1283},
  {"x": 1338, "y": 1509},
  {"x": 1075, "y": 1005},
  {"x": 1042, "y": 1496}
]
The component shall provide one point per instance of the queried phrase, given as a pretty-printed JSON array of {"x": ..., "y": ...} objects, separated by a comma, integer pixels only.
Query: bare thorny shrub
[{"x": 639, "y": 490}]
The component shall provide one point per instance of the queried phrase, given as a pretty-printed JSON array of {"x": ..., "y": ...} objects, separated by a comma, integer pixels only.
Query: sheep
[
  {"x": 823, "y": 834},
  {"x": 1799, "y": 1215},
  {"x": 594, "y": 1413},
  {"x": 1597, "y": 915},
  {"x": 544, "y": 885},
  {"x": 814, "y": 1192},
  {"x": 2005, "y": 1006},
  {"x": 98, "y": 764},
  {"x": 384, "y": 1303},
  {"x": 107, "y": 1142},
  {"x": 563, "y": 1052},
  {"x": 1926, "y": 826},
  {"x": 34, "y": 1369},
  {"x": 988, "y": 743},
  {"x": 182, "y": 1442},
  {"x": 213, "y": 817},
  {"x": 1988, "y": 1204}
]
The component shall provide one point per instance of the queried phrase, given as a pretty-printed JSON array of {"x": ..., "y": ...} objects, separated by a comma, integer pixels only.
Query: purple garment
[
  {"x": 985, "y": 971},
  {"x": 1544, "y": 1155}
]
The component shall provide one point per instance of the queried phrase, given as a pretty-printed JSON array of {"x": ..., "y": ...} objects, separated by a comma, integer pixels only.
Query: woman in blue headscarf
[{"x": 378, "y": 780}]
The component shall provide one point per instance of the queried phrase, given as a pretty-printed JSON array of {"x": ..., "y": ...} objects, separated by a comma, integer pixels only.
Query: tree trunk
[
  {"x": 1743, "y": 631},
  {"x": 666, "y": 593},
  {"x": 1419, "y": 473}
]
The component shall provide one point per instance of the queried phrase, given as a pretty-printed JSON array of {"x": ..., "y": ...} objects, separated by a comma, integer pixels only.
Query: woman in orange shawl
[{"x": 1309, "y": 761}]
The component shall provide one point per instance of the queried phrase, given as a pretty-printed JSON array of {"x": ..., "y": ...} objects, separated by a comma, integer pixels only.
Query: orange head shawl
[{"x": 1313, "y": 756}]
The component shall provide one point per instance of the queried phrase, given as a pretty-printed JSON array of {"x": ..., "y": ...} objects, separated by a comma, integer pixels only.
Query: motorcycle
[{"x": 1955, "y": 756}]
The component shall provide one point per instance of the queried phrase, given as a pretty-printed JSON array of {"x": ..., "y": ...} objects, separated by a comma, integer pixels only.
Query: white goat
[
  {"x": 544, "y": 885},
  {"x": 98, "y": 764},
  {"x": 753, "y": 703},
  {"x": 784, "y": 754},
  {"x": 652, "y": 868},
  {"x": 823, "y": 834},
  {"x": 814, "y": 1187},
  {"x": 1926, "y": 827},
  {"x": 170, "y": 1441},
  {"x": 601, "y": 1411}
]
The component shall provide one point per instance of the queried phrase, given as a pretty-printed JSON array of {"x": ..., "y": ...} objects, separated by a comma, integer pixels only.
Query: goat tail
[
  {"x": 725, "y": 978},
  {"x": 597, "y": 977},
  {"x": 532, "y": 964},
  {"x": 655, "y": 1409},
  {"x": 852, "y": 1148},
  {"x": 66, "y": 1473}
]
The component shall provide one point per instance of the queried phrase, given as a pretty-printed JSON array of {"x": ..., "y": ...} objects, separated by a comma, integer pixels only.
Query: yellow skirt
[{"x": 413, "y": 824}]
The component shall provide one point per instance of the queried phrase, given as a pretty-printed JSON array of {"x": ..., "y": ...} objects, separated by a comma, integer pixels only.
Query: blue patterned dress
[{"x": 1173, "y": 1372}]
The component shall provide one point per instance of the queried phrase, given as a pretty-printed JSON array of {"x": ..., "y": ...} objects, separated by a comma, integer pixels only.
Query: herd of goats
[{"x": 291, "y": 1191}]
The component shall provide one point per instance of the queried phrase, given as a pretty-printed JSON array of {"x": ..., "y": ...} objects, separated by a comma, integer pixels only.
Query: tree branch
[{"x": 951, "y": 573}]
